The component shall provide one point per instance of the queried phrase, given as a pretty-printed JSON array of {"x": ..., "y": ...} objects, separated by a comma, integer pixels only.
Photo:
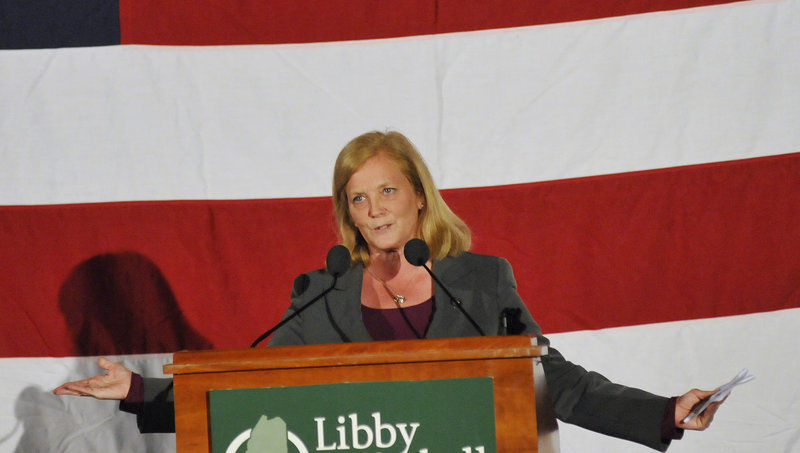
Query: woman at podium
[{"x": 384, "y": 196}]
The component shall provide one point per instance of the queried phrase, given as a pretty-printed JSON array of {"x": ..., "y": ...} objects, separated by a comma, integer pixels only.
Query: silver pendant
[{"x": 398, "y": 299}]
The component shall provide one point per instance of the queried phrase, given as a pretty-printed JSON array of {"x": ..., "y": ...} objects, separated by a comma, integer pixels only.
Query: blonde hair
[{"x": 444, "y": 232}]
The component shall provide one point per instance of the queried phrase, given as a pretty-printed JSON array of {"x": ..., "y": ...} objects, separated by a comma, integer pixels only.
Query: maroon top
[{"x": 403, "y": 323}]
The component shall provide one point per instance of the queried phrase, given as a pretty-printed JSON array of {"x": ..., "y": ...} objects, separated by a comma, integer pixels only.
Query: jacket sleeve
[
  {"x": 586, "y": 398},
  {"x": 158, "y": 408}
]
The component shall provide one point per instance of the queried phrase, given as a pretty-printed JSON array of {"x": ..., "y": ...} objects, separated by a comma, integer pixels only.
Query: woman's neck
[
  {"x": 387, "y": 265},
  {"x": 392, "y": 281}
]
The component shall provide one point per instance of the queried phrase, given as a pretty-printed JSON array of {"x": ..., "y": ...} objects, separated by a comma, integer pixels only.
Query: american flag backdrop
[{"x": 165, "y": 172}]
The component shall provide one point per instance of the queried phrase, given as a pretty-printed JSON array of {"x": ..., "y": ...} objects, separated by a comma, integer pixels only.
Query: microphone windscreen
[
  {"x": 338, "y": 260},
  {"x": 417, "y": 252},
  {"x": 301, "y": 284}
]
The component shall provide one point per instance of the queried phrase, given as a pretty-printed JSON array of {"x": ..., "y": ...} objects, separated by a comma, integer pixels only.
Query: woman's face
[{"x": 383, "y": 204}]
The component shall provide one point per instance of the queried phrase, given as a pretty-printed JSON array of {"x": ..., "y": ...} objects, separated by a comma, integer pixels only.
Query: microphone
[
  {"x": 510, "y": 321},
  {"x": 336, "y": 263},
  {"x": 417, "y": 253}
]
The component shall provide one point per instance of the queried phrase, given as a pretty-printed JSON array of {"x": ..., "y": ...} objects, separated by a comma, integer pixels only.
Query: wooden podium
[{"x": 524, "y": 419}]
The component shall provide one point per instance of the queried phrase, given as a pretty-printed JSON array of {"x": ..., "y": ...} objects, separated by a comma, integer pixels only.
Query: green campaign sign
[{"x": 438, "y": 416}]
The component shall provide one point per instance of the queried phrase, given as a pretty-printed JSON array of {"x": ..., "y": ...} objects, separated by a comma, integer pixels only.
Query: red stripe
[
  {"x": 682, "y": 243},
  {"x": 219, "y": 22},
  {"x": 229, "y": 265}
]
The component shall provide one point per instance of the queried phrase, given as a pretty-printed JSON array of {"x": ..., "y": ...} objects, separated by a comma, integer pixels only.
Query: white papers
[{"x": 721, "y": 394}]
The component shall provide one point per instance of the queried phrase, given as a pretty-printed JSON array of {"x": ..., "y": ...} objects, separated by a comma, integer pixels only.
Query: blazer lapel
[
  {"x": 446, "y": 317},
  {"x": 344, "y": 306}
]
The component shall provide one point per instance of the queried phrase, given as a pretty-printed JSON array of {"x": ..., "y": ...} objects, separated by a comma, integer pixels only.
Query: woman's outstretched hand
[
  {"x": 113, "y": 385},
  {"x": 687, "y": 402}
]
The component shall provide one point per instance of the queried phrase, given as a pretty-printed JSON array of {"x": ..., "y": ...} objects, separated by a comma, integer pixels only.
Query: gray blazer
[{"x": 486, "y": 286}]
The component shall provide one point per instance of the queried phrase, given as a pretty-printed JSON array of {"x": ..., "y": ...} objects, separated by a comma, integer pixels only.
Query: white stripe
[
  {"x": 486, "y": 108},
  {"x": 32, "y": 419},
  {"x": 671, "y": 358}
]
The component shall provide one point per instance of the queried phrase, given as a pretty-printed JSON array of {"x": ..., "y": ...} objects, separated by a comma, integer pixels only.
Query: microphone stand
[
  {"x": 455, "y": 301},
  {"x": 292, "y": 316},
  {"x": 337, "y": 262}
]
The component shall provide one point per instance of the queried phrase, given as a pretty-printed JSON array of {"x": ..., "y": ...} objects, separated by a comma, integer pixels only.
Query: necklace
[{"x": 398, "y": 298}]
